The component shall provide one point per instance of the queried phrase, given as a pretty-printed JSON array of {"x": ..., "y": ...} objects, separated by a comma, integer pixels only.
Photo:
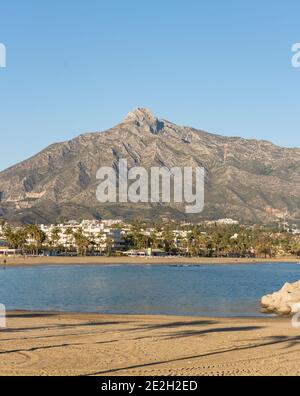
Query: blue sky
[{"x": 79, "y": 66}]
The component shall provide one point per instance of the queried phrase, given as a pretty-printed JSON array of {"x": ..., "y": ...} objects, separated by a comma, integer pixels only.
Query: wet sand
[
  {"x": 108, "y": 345},
  {"x": 33, "y": 261}
]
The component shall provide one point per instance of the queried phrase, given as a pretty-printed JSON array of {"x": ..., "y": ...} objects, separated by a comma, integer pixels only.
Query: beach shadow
[
  {"x": 178, "y": 324},
  {"x": 191, "y": 333},
  {"x": 62, "y": 326},
  {"x": 33, "y": 349},
  {"x": 290, "y": 341},
  {"x": 32, "y": 315},
  {"x": 274, "y": 340},
  {"x": 41, "y": 337}
]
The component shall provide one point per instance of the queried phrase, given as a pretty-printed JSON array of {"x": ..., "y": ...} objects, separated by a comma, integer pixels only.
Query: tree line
[{"x": 192, "y": 240}]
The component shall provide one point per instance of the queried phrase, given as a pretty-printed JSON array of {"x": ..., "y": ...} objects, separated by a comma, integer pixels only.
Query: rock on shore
[{"x": 283, "y": 302}]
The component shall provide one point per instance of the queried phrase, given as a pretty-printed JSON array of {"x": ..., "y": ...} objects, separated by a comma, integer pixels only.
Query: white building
[
  {"x": 101, "y": 233},
  {"x": 222, "y": 222}
]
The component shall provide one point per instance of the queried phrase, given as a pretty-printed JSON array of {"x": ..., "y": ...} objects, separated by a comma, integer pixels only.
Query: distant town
[{"x": 219, "y": 238}]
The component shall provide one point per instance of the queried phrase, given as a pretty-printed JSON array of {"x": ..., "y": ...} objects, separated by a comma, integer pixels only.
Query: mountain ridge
[{"x": 246, "y": 179}]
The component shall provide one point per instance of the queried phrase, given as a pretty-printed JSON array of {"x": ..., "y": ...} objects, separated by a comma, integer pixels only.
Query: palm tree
[
  {"x": 109, "y": 245},
  {"x": 99, "y": 240},
  {"x": 264, "y": 245},
  {"x": 20, "y": 238},
  {"x": 216, "y": 241},
  {"x": 295, "y": 247},
  {"x": 35, "y": 234},
  {"x": 82, "y": 242},
  {"x": 69, "y": 234},
  {"x": 183, "y": 245},
  {"x": 202, "y": 244},
  {"x": 154, "y": 240},
  {"x": 2, "y": 225},
  {"x": 15, "y": 239},
  {"x": 55, "y": 236},
  {"x": 168, "y": 239}
]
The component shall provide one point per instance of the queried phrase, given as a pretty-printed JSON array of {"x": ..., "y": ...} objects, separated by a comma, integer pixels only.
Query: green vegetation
[{"x": 202, "y": 240}]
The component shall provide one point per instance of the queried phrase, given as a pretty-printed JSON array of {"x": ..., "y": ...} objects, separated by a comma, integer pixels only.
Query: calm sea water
[{"x": 207, "y": 290}]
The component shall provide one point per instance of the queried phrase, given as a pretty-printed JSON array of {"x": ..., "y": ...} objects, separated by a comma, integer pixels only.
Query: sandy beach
[
  {"x": 106, "y": 345},
  {"x": 34, "y": 261}
]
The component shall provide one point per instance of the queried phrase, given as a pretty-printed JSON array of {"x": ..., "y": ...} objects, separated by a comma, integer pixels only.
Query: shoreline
[
  {"x": 139, "y": 315},
  {"x": 49, "y": 343},
  {"x": 39, "y": 261}
]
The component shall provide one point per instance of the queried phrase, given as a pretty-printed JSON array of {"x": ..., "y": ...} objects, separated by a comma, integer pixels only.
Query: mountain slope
[{"x": 245, "y": 179}]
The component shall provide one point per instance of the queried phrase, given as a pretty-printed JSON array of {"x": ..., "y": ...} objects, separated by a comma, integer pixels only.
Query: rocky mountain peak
[
  {"x": 140, "y": 114},
  {"x": 143, "y": 117}
]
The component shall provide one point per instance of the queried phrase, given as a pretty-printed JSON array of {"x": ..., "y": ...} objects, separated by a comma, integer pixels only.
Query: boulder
[{"x": 283, "y": 302}]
